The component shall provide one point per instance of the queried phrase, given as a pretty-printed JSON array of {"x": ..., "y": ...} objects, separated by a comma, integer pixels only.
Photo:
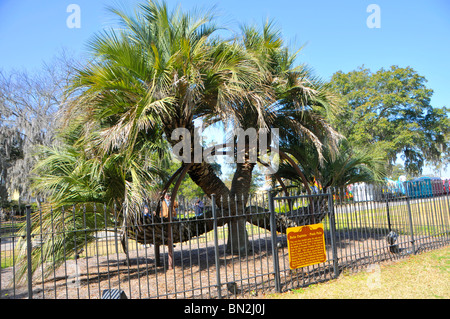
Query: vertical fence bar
[
  {"x": 411, "y": 228},
  {"x": 273, "y": 231},
  {"x": 388, "y": 213},
  {"x": 216, "y": 246},
  {"x": 29, "y": 265},
  {"x": 333, "y": 233}
]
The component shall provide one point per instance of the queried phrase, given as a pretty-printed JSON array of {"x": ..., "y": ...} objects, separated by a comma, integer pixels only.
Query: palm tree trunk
[
  {"x": 171, "y": 208},
  {"x": 204, "y": 176},
  {"x": 240, "y": 185},
  {"x": 283, "y": 155},
  {"x": 233, "y": 200}
]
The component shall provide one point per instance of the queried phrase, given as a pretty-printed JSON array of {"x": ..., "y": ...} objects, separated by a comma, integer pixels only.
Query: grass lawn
[
  {"x": 427, "y": 216},
  {"x": 424, "y": 276}
]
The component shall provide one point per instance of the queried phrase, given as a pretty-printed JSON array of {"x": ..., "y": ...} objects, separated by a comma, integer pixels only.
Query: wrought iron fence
[{"x": 79, "y": 251}]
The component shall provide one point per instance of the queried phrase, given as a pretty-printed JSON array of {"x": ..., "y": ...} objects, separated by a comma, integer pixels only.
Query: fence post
[
  {"x": 411, "y": 229},
  {"x": 29, "y": 247},
  {"x": 273, "y": 231},
  {"x": 333, "y": 233},
  {"x": 216, "y": 246},
  {"x": 387, "y": 212}
]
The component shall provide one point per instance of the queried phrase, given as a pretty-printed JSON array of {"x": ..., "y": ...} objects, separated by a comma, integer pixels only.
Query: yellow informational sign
[{"x": 306, "y": 245}]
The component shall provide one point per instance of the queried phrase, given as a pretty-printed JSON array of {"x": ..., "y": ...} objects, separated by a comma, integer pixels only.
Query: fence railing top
[{"x": 301, "y": 196}]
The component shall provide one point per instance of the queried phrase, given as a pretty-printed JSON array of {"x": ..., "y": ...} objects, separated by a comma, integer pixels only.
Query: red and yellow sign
[{"x": 306, "y": 245}]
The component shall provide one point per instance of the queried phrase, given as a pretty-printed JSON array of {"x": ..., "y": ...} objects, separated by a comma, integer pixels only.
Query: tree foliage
[
  {"x": 347, "y": 166},
  {"x": 391, "y": 109},
  {"x": 29, "y": 102}
]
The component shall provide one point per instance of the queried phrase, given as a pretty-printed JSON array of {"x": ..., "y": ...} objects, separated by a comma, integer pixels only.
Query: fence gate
[
  {"x": 264, "y": 266},
  {"x": 307, "y": 252}
]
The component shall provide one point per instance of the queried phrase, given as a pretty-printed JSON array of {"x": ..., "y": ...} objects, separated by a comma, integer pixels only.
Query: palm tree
[
  {"x": 162, "y": 71},
  {"x": 339, "y": 169}
]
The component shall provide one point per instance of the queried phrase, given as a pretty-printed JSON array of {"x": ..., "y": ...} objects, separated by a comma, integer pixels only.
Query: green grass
[
  {"x": 284, "y": 208},
  {"x": 424, "y": 276},
  {"x": 425, "y": 215},
  {"x": 6, "y": 262}
]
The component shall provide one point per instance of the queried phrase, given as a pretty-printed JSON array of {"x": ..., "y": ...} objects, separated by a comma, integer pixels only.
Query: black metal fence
[{"x": 79, "y": 252}]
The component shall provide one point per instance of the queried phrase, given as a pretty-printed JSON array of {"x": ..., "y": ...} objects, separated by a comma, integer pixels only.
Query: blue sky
[{"x": 335, "y": 33}]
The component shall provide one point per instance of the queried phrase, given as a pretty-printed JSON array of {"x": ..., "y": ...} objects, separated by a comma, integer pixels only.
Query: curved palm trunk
[
  {"x": 202, "y": 173},
  {"x": 157, "y": 230},
  {"x": 283, "y": 155},
  {"x": 233, "y": 201},
  {"x": 204, "y": 176}
]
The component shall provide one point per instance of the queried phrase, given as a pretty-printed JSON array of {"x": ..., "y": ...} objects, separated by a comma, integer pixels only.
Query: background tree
[
  {"x": 28, "y": 105},
  {"x": 391, "y": 109}
]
